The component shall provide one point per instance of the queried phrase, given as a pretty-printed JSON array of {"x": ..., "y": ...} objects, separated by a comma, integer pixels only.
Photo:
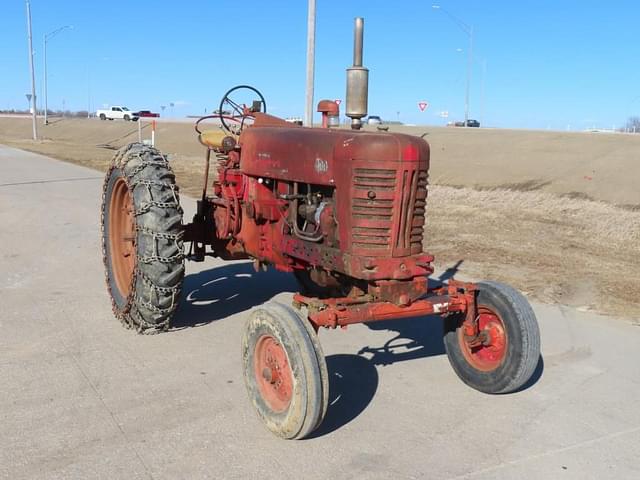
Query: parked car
[
  {"x": 374, "y": 120},
  {"x": 147, "y": 113},
  {"x": 470, "y": 123},
  {"x": 117, "y": 112}
]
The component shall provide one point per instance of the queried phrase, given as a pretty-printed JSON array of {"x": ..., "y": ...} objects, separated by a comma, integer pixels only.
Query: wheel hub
[
  {"x": 273, "y": 373},
  {"x": 488, "y": 349},
  {"x": 122, "y": 238}
]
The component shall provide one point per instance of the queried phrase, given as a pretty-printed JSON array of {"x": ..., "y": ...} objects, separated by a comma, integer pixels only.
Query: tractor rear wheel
[
  {"x": 142, "y": 246},
  {"x": 285, "y": 371},
  {"x": 508, "y": 357}
]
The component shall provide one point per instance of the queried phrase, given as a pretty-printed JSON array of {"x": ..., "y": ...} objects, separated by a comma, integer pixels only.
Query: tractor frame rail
[{"x": 453, "y": 298}]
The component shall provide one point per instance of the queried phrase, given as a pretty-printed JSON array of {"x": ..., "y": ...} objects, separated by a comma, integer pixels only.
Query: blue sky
[{"x": 549, "y": 64}]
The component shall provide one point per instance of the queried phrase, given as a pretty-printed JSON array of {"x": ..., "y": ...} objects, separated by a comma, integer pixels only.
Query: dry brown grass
[{"x": 563, "y": 250}]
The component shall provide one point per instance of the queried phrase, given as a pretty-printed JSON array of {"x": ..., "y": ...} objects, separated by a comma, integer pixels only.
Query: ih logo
[{"x": 322, "y": 166}]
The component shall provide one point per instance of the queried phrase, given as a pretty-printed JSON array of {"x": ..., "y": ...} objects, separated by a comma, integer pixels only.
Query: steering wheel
[{"x": 240, "y": 110}]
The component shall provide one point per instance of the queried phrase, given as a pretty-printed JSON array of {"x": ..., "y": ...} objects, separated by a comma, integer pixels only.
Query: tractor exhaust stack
[{"x": 357, "y": 80}]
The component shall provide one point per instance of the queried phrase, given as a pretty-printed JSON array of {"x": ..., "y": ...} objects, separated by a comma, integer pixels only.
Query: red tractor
[{"x": 342, "y": 210}]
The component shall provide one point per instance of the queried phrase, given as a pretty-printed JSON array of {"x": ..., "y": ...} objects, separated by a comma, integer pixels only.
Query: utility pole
[
  {"x": 469, "y": 66},
  {"x": 88, "y": 92},
  {"x": 33, "y": 76},
  {"x": 311, "y": 47},
  {"x": 44, "y": 79}
]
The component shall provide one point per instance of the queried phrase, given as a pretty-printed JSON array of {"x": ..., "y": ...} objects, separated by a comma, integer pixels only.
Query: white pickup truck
[{"x": 117, "y": 112}]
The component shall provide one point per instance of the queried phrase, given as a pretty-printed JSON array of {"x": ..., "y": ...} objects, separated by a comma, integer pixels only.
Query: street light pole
[
  {"x": 44, "y": 80},
  {"x": 33, "y": 75},
  {"x": 484, "y": 75},
  {"x": 45, "y": 38},
  {"x": 469, "y": 66},
  {"x": 469, "y": 31}
]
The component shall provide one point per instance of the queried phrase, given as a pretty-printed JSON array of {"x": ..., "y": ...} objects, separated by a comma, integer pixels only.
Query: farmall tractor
[{"x": 341, "y": 209}]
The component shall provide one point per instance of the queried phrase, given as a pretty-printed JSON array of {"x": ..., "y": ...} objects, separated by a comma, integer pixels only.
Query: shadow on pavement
[
  {"x": 417, "y": 337},
  {"x": 353, "y": 379},
  {"x": 353, "y": 382},
  {"x": 223, "y": 291},
  {"x": 537, "y": 375}
]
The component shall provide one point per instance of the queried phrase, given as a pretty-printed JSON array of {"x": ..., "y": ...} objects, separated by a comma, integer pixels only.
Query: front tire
[
  {"x": 103, "y": 116},
  {"x": 285, "y": 371},
  {"x": 142, "y": 238},
  {"x": 127, "y": 118},
  {"x": 511, "y": 354}
]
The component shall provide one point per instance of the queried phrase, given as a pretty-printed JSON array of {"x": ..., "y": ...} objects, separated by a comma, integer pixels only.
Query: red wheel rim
[
  {"x": 273, "y": 373},
  {"x": 489, "y": 355},
  {"x": 122, "y": 236}
]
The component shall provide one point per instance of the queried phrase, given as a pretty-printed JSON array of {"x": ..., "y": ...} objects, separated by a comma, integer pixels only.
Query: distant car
[
  {"x": 470, "y": 123},
  {"x": 374, "y": 120},
  {"x": 117, "y": 112},
  {"x": 147, "y": 113}
]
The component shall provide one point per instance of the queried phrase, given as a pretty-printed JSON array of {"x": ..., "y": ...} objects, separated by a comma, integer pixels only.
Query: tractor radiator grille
[
  {"x": 372, "y": 207},
  {"x": 413, "y": 201},
  {"x": 388, "y": 209}
]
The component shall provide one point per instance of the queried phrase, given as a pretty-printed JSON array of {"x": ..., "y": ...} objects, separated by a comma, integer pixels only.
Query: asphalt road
[{"x": 84, "y": 398}]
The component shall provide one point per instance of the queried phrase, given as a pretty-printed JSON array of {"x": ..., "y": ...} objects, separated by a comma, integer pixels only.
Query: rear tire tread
[{"x": 159, "y": 270}]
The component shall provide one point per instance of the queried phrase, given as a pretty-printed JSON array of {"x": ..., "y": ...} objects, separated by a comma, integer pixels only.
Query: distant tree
[{"x": 633, "y": 124}]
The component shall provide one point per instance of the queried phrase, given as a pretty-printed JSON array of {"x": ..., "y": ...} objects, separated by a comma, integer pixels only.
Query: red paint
[
  {"x": 410, "y": 153},
  {"x": 273, "y": 373},
  {"x": 330, "y": 111},
  {"x": 489, "y": 354}
]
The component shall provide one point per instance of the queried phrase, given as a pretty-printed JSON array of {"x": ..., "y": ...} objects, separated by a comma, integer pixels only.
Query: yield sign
[
  {"x": 338, "y": 101},
  {"x": 28, "y": 95},
  {"x": 422, "y": 106}
]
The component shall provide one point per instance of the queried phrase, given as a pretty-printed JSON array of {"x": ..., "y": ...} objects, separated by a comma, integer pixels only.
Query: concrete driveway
[{"x": 83, "y": 398}]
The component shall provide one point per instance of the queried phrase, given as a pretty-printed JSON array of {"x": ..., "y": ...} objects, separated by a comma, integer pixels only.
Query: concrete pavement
[{"x": 84, "y": 398}]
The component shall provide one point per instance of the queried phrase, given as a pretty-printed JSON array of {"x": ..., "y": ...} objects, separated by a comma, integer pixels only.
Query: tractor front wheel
[
  {"x": 285, "y": 371},
  {"x": 510, "y": 351},
  {"x": 142, "y": 233}
]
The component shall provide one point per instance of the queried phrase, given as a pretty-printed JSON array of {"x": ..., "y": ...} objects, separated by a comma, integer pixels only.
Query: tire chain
[{"x": 126, "y": 316}]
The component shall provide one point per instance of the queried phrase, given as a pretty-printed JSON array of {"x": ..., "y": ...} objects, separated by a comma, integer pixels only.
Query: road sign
[
  {"x": 28, "y": 95},
  {"x": 338, "y": 101},
  {"x": 423, "y": 106}
]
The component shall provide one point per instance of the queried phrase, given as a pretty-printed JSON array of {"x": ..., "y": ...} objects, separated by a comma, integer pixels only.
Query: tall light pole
[
  {"x": 469, "y": 31},
  {"x": 45, "y": 39},
  {"x": 311, "y": 63},
  {"x": 32, "y": 100},
  {"x": 484, "y": 75}
]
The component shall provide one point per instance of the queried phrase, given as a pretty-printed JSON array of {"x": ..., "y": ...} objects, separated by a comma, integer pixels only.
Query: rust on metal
[
  {"x": 273, "y": 373},
  {"x": 122, "y": 236}
]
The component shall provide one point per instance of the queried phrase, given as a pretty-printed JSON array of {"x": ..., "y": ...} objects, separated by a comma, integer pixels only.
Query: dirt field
[{"x": 555, "y": 214}]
